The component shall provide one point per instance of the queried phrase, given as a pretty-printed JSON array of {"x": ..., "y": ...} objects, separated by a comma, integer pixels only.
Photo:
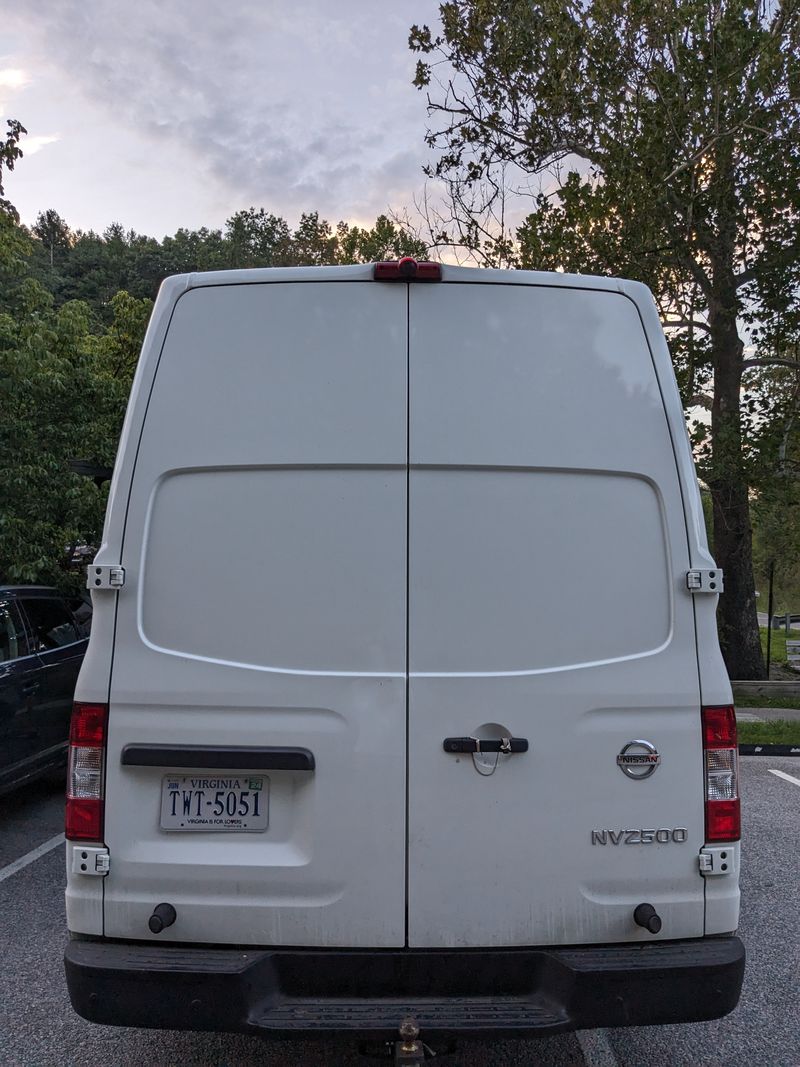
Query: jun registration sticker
[{"x": 227, "y": 803}]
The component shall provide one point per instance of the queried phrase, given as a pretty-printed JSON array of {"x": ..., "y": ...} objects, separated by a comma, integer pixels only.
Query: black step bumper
[{"x": 311, "y": 993}]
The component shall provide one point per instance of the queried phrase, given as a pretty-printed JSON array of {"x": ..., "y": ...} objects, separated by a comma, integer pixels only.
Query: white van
[{"x": 403, "y": 701}]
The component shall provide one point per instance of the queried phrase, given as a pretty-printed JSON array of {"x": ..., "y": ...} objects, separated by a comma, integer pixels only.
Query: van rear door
[
  {"x": 264, "y": 611},
  {"x": 547, "y": 601}
]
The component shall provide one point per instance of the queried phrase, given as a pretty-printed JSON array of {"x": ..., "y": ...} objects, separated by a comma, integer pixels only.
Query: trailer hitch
[{"x": 409, "y": 1049}]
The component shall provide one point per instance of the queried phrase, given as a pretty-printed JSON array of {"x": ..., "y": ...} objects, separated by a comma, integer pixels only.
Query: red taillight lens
[
  {"x": 719, "y": 727},
  {"x": 84, "y": 820},
  {"x": 85, "y": 786},
  {"x": 406, "y": 270},
  {"x": 723, "y": 820},
  {"x": 721, "y": 761},
  {"x": 88, "y": 724}
]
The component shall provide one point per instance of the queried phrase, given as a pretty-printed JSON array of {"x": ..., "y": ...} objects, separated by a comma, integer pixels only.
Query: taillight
[
  {"x": 407, "y": 269},
  {"x": 721, "y": 758},
  {"x": 85, "y": 787}
]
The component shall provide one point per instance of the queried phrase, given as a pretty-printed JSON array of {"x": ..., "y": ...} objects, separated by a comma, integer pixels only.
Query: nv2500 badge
[{"x": 662, "y": 836}]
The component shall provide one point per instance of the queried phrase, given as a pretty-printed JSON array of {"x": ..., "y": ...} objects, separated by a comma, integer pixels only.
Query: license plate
[{"x": 223, "y": 802}]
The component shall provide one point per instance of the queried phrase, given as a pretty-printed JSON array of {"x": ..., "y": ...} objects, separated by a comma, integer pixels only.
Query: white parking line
[
  {"x": 783, "y": 774},
  {"x": 34, "y": 854},
  {"x": 597, "y": 1048}
]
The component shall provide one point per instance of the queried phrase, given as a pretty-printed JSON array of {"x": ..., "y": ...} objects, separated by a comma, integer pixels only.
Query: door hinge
[
  {"x": 88, "y": 860},
  {"x": 705, "y": 581},
  {"x": 717, "y": 860},
  {"x": 105, "y": 576}
]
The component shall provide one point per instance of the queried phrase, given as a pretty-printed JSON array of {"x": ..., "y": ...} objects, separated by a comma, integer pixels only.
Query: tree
[
  {"x": 10, "y": 152},
  {"x": 53, "y": 232},
  {"x": 63, "y": 390},
  {"x": 313, "y": 241},
  {"x": 14, "y": 244},
  {"x": 666, "y": 140},
  {"x": 194, "y": 250},
  {"x": 42, "y": 506},
  {"x": 386, "y": 240},
  {"x": 257, "y": 239}
]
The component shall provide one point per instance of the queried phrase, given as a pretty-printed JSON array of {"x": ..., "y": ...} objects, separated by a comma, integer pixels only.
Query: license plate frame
[{"x": 201, "y": 803}]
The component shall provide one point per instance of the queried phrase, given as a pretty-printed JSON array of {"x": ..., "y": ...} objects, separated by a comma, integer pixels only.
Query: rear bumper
[{"x": 301, "y": 992}]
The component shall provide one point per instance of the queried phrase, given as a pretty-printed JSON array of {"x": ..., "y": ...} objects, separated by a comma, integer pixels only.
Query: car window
[
  {"x": 82, "y": 613},
  {"x": 51, "y": 623},
  {"x": 12, "y": 633}
]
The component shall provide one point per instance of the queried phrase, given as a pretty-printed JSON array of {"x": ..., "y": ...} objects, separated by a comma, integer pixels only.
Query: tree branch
[
  {"x": 744, "y": 277},
  {"x": 771, "y": 361},
  {"x": 698, "y": 273},
  {"x": 694, "y": 324}
]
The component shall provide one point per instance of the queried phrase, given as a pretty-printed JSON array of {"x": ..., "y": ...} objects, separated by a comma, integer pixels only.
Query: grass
[
  {"x": 768, "y": 702},
  {"x": 778, "y": 644},
  {"x": 776, "y": 732}
]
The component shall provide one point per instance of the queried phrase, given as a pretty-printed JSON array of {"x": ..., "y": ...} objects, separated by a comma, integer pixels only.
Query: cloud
[
  {"x": 12, "y": 79},
  {"x": 32, "y": 145},
  {"x": 281, "y": 107}
]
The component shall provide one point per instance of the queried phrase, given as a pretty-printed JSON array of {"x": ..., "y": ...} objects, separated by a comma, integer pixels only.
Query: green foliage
[
  {"x": 54, "y": 234},
  {"x": 57, "y": 406},
  {"x": 93, "y": 267},
  {"x": 384, "y": 241},
  {"x": 10, "y": 152},
  {"x": 15, "y": 248},
  {"x": 15, "y": 245}
]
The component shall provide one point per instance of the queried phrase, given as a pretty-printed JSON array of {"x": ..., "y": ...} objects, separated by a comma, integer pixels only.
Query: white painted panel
[
  {"x": 518, "y": 570},
  {"x": 264, "y": 604},
  {"x": 307, "y": 566},
  {"x": 275, "y": 374},
  {"x": 533, "y": 376},
  {"x": 547, "y": 551}
]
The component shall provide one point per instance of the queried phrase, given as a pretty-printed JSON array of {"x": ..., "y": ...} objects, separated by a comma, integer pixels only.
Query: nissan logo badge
[{"x": 638, "y": 759}]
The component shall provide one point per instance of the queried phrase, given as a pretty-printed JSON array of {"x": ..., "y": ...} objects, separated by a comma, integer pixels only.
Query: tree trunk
[{"x": 733, "y": 540}]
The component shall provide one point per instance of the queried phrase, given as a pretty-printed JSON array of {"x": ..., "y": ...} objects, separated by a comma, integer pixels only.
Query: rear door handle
[
  {"x": 506, "y": 745},
  {"x": 30, "y": 687}
]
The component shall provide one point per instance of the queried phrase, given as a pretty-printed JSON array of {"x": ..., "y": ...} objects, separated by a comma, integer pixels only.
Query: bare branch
[
  {"x": 686, "y": 324},
  {"x": 770, "y": 361},
  {"x": 699, "y": 274}
]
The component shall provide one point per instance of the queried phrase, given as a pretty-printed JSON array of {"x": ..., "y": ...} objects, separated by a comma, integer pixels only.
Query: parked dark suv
[{"x": 43, "y": 638}]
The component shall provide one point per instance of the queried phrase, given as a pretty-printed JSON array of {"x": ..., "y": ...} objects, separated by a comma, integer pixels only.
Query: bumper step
[{"x": 462, "y": 1014}]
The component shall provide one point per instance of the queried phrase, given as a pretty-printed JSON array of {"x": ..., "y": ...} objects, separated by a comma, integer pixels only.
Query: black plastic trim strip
[
  {"x": 769, "y": 750},
  {"x": 226, "y": 757}
]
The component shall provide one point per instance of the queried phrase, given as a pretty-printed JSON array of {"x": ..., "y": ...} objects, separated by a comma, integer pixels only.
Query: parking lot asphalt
[
  {"x": 38, "y": 1027},
  {"x": 745, "y": 714}
]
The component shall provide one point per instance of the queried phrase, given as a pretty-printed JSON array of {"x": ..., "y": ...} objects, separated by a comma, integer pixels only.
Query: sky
[{"x": 162, "y": 114}]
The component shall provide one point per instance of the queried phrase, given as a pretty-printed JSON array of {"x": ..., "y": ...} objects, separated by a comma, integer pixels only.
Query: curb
[{"x": 769, "y": 750}]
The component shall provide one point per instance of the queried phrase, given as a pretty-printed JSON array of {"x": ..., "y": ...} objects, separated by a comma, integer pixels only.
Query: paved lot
[
  {"x": 745, "y": 714},
  {"x": 39, "y": 1029}
]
